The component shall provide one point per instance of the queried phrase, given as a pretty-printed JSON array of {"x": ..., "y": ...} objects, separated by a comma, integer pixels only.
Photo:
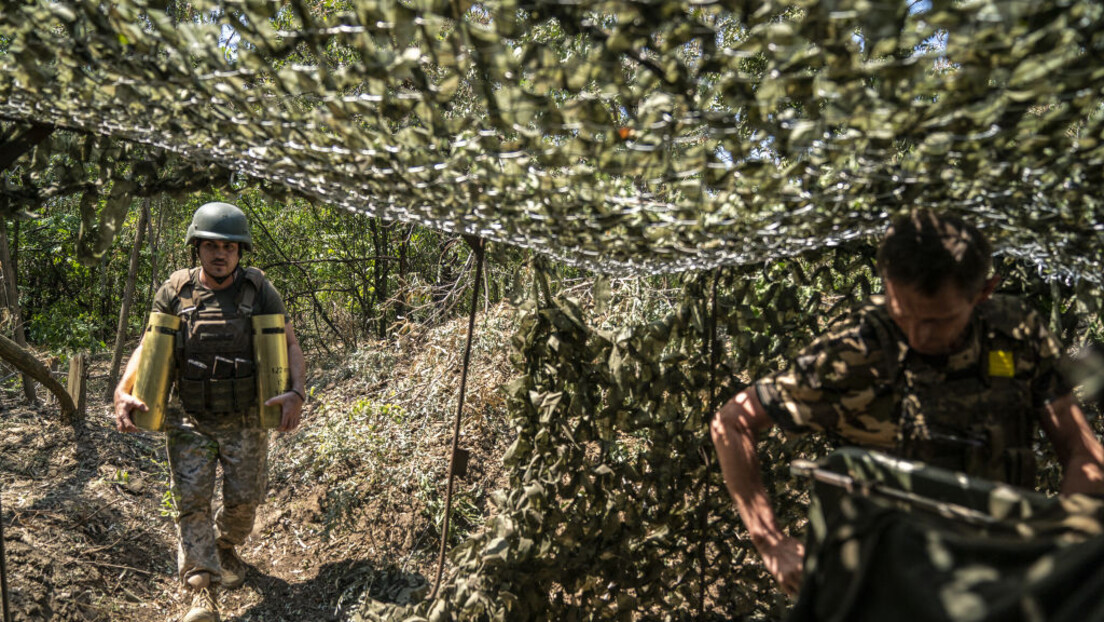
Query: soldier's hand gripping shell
[
  {"x": 291, "y": 408},
  {"x": 124, "y": 404}
]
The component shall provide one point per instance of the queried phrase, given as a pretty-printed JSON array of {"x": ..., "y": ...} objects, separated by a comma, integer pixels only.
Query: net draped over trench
[{"x": 624, "y": 137}]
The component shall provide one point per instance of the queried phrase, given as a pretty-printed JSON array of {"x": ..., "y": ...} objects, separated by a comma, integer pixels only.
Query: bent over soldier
[
  {"x": 213, "y": 417},
  {"x": 938, "y": 370}
]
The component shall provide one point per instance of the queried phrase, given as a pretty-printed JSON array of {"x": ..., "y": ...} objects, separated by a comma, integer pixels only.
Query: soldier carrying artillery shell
[{"x": 219, "y": 334}]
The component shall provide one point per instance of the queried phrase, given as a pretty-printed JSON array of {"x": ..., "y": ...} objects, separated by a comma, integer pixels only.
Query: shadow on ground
[{"x": 313, "y": 599}]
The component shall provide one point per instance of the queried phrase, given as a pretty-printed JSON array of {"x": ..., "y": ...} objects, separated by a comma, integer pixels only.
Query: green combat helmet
[{"x": 220, "y": 221}]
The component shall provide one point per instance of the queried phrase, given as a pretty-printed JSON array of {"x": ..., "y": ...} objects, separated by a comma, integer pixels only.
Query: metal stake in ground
[
  {"x": 703, "y": 516},
  {"x": 3, "y": 568},
  {"x": 459, "y": 455}
]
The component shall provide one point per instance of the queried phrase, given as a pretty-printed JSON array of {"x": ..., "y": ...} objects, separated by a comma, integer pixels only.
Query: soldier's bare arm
[
  {"x": 123, "y": 400},
  {"x": 291, "y": 402},
  {"x": 1079, "y": 451},
  {"x": 735, "y": 428}
]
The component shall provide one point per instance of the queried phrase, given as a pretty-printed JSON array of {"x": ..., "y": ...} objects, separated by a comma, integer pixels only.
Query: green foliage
[
  {"x": 343, "y": 277},
  {"x": 67, "y": 327},
  {"x": 169, "y": 507},
  {"x": 354, "y": 450},
  {"x": 347, "y": 439},
  {"x": 466, "y": 508}
]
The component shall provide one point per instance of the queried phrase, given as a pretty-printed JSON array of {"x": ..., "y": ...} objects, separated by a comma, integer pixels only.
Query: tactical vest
[
  {"x": 215, "y": 367},
  {"x": 978, "y": 419}
]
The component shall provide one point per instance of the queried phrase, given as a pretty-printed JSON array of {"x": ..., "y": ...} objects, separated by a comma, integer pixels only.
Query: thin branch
[
  {"x": 26, "y": 362},
  {"x": 299, "y": 262},
  {"x": 310, "y": 283}
]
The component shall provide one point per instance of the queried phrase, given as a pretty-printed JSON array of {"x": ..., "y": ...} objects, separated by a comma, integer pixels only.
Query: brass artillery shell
[
  {"x": 151, "y": 384},
  {"x": 271, "y": 363}
]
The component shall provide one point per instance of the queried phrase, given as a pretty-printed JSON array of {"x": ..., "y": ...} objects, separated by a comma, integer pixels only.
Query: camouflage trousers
[{"x": 194, "y": 449}]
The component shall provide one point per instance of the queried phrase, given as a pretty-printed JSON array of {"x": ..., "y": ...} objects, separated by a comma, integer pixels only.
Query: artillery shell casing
[
  {"x": 151, "y": 384},
  {"x": 271, "y": 360}
]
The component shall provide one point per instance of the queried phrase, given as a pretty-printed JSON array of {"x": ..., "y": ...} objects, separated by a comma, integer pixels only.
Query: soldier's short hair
[{"x": 926, "y": 250}]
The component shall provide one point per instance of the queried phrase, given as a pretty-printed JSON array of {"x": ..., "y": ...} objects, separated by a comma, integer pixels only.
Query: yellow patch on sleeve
[{"x": 1001, "y": 364}]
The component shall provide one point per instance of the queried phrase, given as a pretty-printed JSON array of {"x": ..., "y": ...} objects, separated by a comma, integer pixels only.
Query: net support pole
[
  {"x": 703, "y": 517},
  {"x": 852, "y": 486},
  {"x": 3, "y": 568},
  {"x": 477, "y": 248}
]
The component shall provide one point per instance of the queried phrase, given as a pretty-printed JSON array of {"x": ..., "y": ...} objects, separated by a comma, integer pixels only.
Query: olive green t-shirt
[{"x": 267, "y": 300}]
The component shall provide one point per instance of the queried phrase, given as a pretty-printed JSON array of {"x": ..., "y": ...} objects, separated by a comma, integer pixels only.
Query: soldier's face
[
  {"x": 218, "y": 257},
  {"x": 933, "y": 324}
]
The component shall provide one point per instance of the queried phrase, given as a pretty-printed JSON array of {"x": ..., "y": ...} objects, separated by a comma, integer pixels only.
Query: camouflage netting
[
  {"x": 620, "y": 136},
  {"x": 616, "y": 509},
  {"x": 625, "y": 137}
]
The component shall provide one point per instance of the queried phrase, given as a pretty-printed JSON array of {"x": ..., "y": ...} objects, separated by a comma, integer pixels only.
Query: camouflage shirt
[{"x": 974, "y": 410}]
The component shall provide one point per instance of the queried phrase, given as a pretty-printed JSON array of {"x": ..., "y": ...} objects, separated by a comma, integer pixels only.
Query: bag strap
[
  {"x": 183, "y": 283},
  {"x": 252, "y": 283}
]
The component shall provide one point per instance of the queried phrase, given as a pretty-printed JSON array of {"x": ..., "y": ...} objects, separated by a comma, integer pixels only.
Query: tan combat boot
[
  {"x": 233, "y": 568},
  {"x": 204, "y": 599}
]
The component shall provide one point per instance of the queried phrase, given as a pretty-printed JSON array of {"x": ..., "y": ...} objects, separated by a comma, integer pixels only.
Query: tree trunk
[
  {"x": 104, "y": 291},
  {"x": 400, "y": 306},
  {"x": 24, "y": 361},
  {"x": 381, "y": 239},
  {"x": 364, "y": 280},
  {"x": 155, "y": 245},
  {"x": 128, "y": 297},
  {"x": 78, "y": 373},
  {"x": 4, "y": 302},
  {"x": 12, "y": 291}
]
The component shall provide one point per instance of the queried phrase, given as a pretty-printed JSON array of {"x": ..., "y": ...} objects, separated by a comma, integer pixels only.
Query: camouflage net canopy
[{"x": 625, "y": 137}]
